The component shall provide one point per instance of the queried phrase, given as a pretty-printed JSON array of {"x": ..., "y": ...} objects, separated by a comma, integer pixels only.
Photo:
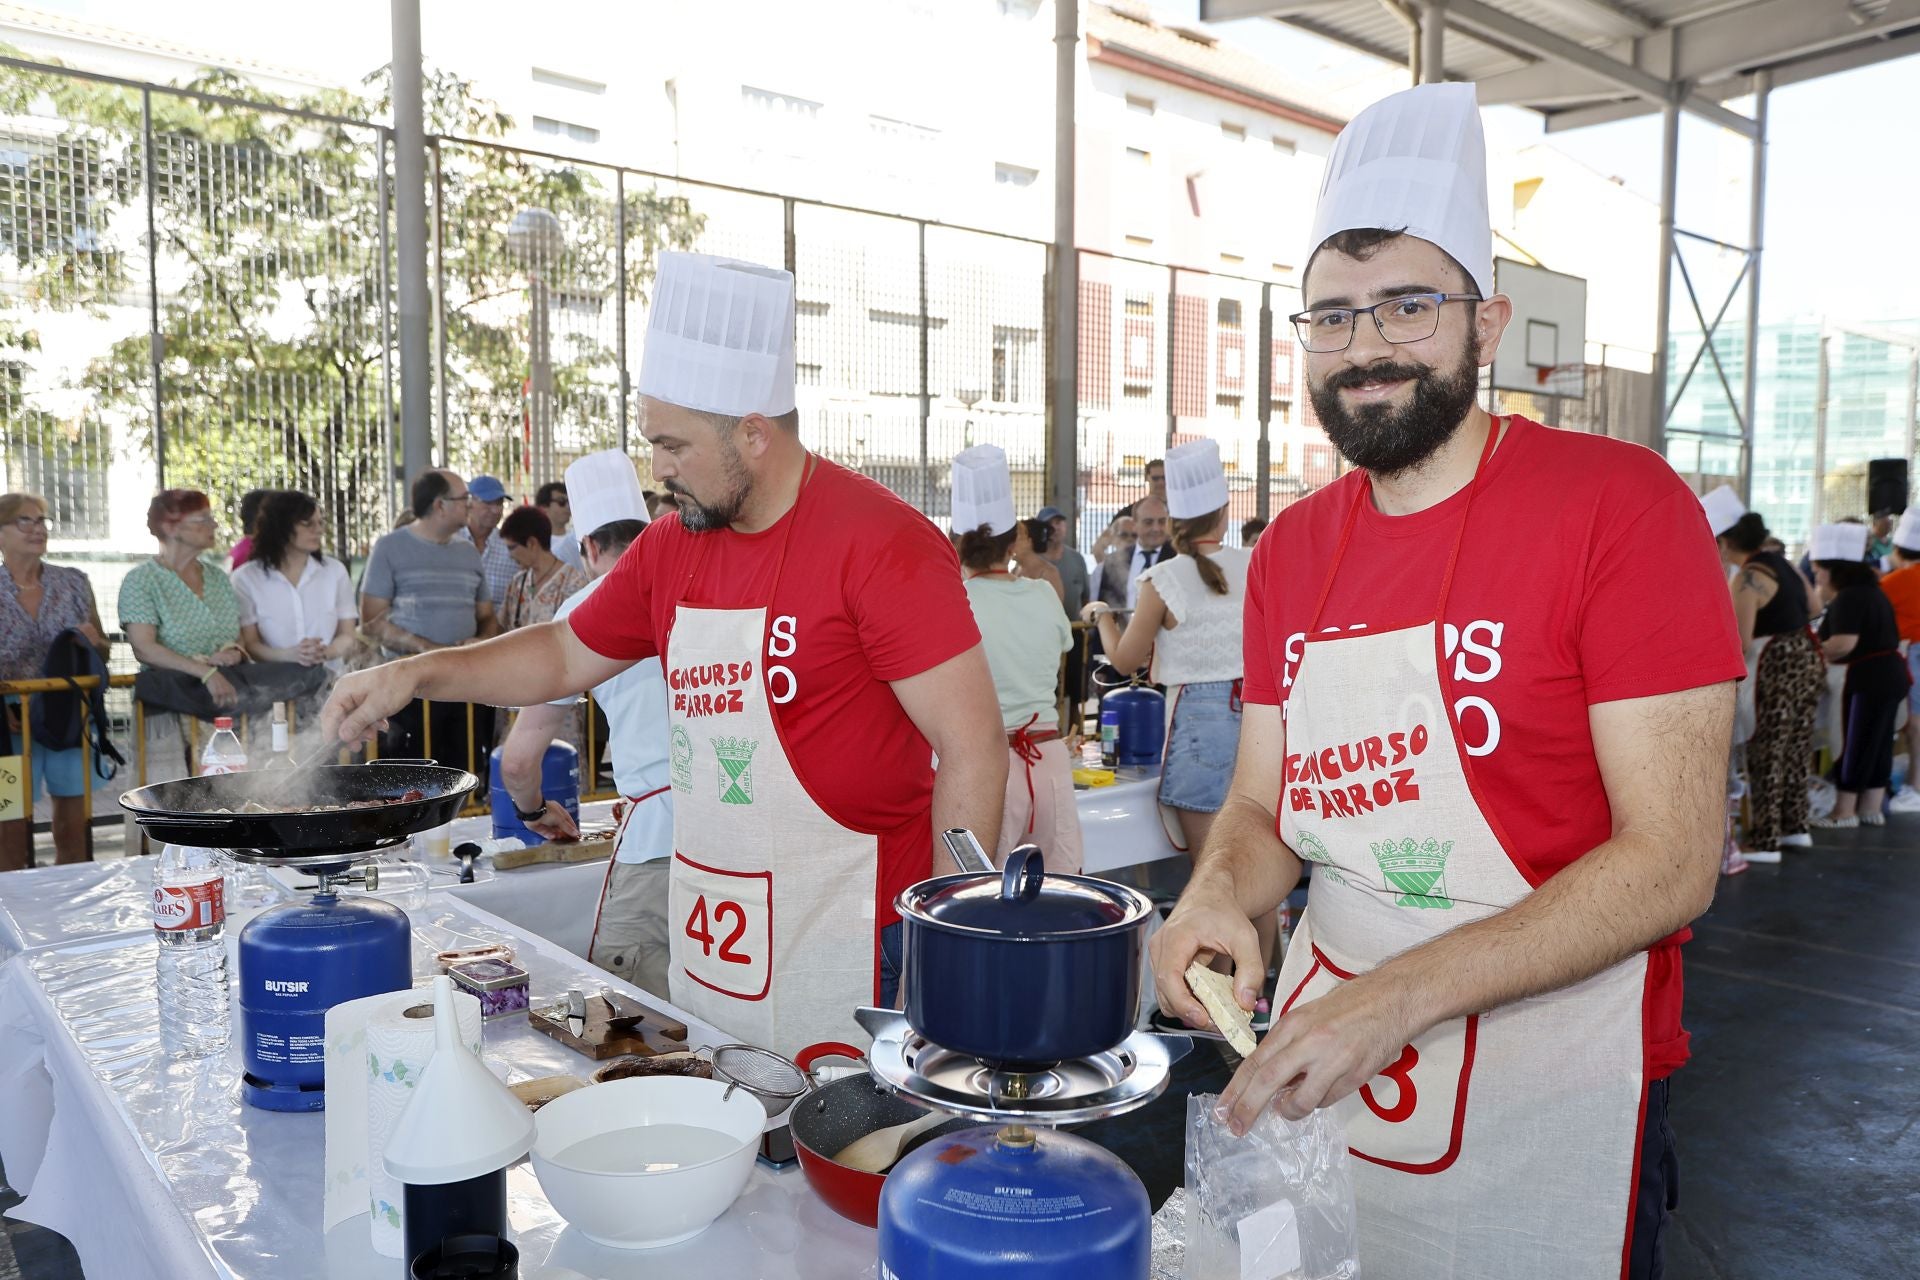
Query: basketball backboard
[{"x": 1544, "y": 352}]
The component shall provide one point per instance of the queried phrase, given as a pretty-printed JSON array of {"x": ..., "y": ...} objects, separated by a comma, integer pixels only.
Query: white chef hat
[
  {"x": 1723, "y": 508},
  {"x": 982, "y": 490},
  {"x": 603, "y": 487},
  {"x": 720, "y": 336},
  {"x": 1414, "y": 162},
  {"x": 1838, "y": 542},
  {"x": 1907, "y": 532},
  {"x": 1196, "y": 482}
]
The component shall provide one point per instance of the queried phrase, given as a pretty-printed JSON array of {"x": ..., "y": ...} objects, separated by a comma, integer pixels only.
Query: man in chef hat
[
  {"x": 1508, "y": 772},
  {"x": 629, "y": 934},
  {"x": 819, "y": 655}
]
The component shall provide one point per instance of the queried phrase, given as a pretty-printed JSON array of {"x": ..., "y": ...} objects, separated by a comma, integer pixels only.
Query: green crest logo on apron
[
  {"x": 680, "y": 759},
  {"x": 736, "y": 779},
  {"x": 1315, "y": 852},
  {"x": 1418, "y": 870}
]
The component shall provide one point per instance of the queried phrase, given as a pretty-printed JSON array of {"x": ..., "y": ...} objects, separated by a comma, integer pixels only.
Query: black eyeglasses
[{"x": 1411, "y": 317}]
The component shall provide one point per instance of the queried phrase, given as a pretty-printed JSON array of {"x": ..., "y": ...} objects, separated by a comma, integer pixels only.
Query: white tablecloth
[
  {"x": 49, "y": 906},
  {"x": 156, "y": 1171}
]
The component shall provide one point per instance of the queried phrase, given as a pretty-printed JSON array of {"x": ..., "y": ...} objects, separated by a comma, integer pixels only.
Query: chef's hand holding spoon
[{"x": 360, "y": 703}]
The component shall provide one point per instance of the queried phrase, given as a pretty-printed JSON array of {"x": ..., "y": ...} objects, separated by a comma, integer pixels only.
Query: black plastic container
[{"x": 473, "y": 1206}]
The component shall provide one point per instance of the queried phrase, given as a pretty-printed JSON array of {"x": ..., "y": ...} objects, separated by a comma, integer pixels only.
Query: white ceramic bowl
[{"x": 646, "y": 1210}]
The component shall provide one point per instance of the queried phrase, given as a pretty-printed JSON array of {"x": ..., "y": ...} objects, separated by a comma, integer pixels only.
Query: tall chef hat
[
  {"x": 1906, "y": 534},
  {"x": 603, "y": 487},
  {"x": 1838, "y": 542},
  {"x": 1196, "y": 482},
  {"x": 1722, "y": 505},
  {"x": 982, "y": 490},
  {"x": 1415, "y": 162},
  {"x": 720, "y": 337}
]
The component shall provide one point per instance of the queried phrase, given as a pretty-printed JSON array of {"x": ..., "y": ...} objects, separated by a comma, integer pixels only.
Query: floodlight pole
[
  {"x": 1663, "y": 295},
  {"x": 1063, "y": 391},
  {"x": 410, "y": 226}
]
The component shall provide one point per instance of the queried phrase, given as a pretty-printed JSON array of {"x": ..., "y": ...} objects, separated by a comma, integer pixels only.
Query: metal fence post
[
  {"x": 1263, "y": 450},
  {"x": 926, "y": 390},
  {"x": 391, "y": 472},
  {"x": 1173, "y": 294},
  {"x": 154, "y": 342},
  {"x": 438, "y": 230},
  {"x": 790, "y": 245},
  {"x": 620, "y": 297}
]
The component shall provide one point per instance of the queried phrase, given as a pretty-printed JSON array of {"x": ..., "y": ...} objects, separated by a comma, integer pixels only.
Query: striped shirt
[{"x": 433, "y": 587}]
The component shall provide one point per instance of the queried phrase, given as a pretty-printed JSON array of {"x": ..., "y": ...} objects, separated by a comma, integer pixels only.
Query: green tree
[{"x": 275, "y": 311}]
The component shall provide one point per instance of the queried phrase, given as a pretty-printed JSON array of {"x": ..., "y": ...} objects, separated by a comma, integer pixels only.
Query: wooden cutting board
[
  {"x": 607, "y": 1034},
  {"x": 593, "y": 844}
]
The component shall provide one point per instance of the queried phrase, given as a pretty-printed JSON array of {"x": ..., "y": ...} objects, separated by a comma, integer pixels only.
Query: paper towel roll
[{"x": 398, "y": 1047}]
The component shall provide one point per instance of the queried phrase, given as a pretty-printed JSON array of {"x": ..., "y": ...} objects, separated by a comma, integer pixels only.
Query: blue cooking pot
[{"x": 1017, "y": 967}]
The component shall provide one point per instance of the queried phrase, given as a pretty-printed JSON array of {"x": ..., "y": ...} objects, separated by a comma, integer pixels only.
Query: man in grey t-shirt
[{"x": 424, "y": 590}]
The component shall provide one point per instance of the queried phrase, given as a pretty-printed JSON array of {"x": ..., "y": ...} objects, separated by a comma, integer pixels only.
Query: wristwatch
[{"x": 537, "y": 813}]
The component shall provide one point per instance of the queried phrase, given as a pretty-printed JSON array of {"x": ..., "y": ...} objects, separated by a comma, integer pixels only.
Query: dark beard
[
  {"x": 1387, "y": 440},
  {"x": 697, "y": 517}
]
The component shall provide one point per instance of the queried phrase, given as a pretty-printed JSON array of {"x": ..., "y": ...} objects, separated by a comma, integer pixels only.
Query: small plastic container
[{"x": 500, "y": 984}]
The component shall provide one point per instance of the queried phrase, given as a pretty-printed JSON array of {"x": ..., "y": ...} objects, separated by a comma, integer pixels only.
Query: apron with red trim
[
  {"x": 770, "y": 905},
  {"x": 1500, "y": 1146},
  {"x": 628, "y": 807}
]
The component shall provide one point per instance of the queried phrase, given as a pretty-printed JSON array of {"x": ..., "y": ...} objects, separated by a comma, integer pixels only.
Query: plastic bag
[
  {"x": 1821, "y": 795},
  {"x": 1274, "y": 1205}
]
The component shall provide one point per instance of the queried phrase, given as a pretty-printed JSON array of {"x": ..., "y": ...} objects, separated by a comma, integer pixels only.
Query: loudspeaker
[{"x": 1886, "y": 485}]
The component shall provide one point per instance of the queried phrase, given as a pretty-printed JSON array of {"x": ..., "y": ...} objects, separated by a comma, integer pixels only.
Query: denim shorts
[
  {"x": 1913, "y": 669},
  {"x": 57, "y": 773},
  {"x": 1201, "y": 746}
]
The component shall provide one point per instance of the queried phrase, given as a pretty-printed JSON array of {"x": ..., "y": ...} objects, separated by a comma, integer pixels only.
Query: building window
[
  {"x": 1139, "y": 304},
  {"x": 1232, "y": 260},
  {"x": 565, "y": 129},
  {"x": 559, "y": 80},
  {"x": 1233, "y": 132},
  {"x": 1139, "y": 158},
  {"x": 1016, "y": 365},
  {"x": 1139, "y": 106},
  {"x": 1136, "y": 394},
  {"x": 1140, "y": 242},
  {"x": 1227, "y": 407},
  {"x": 1285, "y": 146},
  {"x": 1014, "y": 175},
  {"x": 1227, "y": 313}
]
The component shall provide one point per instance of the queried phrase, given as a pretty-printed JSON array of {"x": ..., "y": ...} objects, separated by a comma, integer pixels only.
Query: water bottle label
[
  {"x": 180, "y": 907},
  {"x": 208, "y": 769}
]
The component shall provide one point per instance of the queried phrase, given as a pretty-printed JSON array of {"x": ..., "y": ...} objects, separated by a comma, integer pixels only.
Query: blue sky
[{"x": 1843, "y": 184}]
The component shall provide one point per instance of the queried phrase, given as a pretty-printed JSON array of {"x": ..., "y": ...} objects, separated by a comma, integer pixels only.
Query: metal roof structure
[
  {"x": 1581, "y": 62},
  {"x": 1588, "y": 62}
]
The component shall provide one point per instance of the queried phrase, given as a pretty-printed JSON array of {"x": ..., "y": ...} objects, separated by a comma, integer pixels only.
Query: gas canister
[{"x": 297, "y": 960}]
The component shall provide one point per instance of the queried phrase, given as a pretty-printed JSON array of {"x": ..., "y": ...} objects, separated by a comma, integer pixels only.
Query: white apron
[
  {"x": 630, "y": 823},
  {"x": 1501, "y": 1146},
  {"x": 770, "y": 910}
]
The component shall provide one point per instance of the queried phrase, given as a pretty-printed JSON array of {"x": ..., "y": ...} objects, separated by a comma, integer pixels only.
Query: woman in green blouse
[{"x": 182, "y": 618}]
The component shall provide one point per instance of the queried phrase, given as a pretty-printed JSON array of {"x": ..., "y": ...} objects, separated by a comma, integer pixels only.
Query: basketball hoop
[{"x": 1542, "y": 372}]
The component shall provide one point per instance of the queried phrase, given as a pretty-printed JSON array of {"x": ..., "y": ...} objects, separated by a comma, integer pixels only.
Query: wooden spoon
[{"x": 878, "y": 1151}]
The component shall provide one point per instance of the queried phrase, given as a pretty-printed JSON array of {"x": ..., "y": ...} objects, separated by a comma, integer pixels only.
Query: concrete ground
[{"x": 1796, "y": 1119}]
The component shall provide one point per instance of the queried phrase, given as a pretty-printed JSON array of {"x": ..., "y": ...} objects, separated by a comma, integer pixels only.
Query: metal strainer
[{"x": 777, "y": 1081}]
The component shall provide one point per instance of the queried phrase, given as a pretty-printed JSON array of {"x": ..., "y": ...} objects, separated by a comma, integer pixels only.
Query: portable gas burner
[
  {"x": 299, "y": 959},
  {"x": 968, "y": 1203}
]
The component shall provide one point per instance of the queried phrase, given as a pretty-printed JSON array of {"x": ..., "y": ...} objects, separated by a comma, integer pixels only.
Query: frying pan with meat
[{"x": 322, "y": 809}]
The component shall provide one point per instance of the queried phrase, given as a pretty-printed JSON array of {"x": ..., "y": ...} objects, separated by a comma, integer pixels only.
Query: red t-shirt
[
  {"x": 1587, "y": 574},
  {"x": 870, "y": 592}
]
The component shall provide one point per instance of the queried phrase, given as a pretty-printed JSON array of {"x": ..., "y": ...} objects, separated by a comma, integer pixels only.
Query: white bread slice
[{"x": 1215, "y": 992}]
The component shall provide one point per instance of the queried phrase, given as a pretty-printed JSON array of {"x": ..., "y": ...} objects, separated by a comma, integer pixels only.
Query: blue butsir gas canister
[
  {"x": 297, "y": 961},
  {"x": 989, "y": 1203},
  {"x": 1143, "y": 723},
  {"x": 559, "y": 780}
]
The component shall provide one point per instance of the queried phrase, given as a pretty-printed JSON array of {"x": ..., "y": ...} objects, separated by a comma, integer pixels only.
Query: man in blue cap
[{"x": 483, "y": 521}]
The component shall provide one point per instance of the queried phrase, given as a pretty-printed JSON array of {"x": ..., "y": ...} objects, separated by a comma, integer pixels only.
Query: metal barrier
[{"x": 478, "y": 804}]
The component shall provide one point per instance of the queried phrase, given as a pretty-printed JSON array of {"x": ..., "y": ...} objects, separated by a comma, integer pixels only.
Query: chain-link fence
[{"x": 197, "y": 290}]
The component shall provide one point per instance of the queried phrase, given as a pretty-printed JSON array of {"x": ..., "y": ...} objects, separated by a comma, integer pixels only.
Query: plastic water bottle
[
  {"x": 189, "y": 921},
  {"x": 225, "y": 752},
  {"x": 1109, "y": 736}
]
